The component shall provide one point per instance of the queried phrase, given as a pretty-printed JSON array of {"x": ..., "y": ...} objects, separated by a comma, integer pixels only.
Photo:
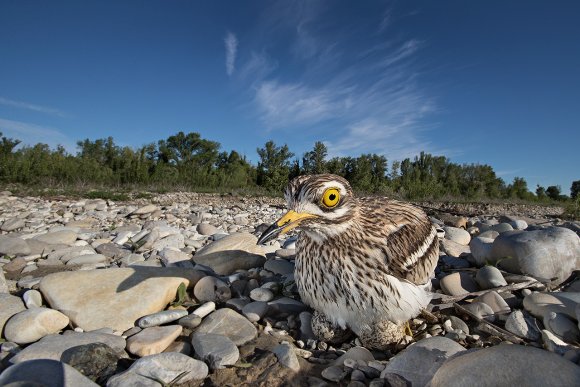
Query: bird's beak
[{"x": 286, "y": 223}]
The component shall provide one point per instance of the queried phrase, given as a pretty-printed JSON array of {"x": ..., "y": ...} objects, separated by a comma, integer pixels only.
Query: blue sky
[{"x": 489, "y": 82}]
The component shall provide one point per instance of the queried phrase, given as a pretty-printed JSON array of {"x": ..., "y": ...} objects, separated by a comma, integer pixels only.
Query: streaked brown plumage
[{"x": 362, "y": 262}]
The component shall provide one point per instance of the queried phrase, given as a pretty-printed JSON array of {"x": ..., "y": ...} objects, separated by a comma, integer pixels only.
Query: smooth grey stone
[
  {"x": 550, "y": 253},
  {"x": 9, "y": 306},
  {"x": 12, "y": 224},
  {"x": 62, "y": 237},
  {"x": 490, "y": 234},
  {"x": 507, "y": 365},
  {"x": 334, "y": 374},
  {"x": 31, "y": 325},
  {"x": 306, "y": 326},
  {"x": 206, "y": 229},
  {"x": 456, "y": 284},
  {"x": 481, "y": 310},
  {"x": 457, "y": 323},
  {"x": 279, "y": 266},
  {"x": 481, "y": 250},
  {"x": 455, "y": 263},
  {"x": 285, "y": 306},
  {"x": 519, "y": 224},
  {"x": 495, "y": 301},
  {"x": 554, "y": 344},
  {"x": 237, "y": 251},
  {"x": 517, "y": 323},
  {"x": 3, "y": 286},
  {"x": 540, "y": 304},
  {"x": 160, "y": 369},
  {"x": 255, "y": 311},
  {"x": 32, "y": 299},
  {"x": 562, "y": 326},
  {"x": 454, "y": 249},
  {"x": 44, "y": 372},
  {"x": 217, "y": 351},
  {"x": 489, "y": 277},
  {"x": 206, "y": 289},
  {"x": 229, "y": 323},
  {"x": 287, "y": 356},
  {"x": 355, "y": 353},
  {"x": 419, "y": 362},
  {"x": 160, "y": 318},
  {"x": 502, "y": 227},
  {"x": 457, "y": 235},
  {"x": 261, "y": 294},
  {"x": 87, "y": 259},
  {"x": 191, "y": 321},
  {"x": 238, "y": 304},
  {"x": 13, "y": 246},
  {"x": 53, "y": 346}
]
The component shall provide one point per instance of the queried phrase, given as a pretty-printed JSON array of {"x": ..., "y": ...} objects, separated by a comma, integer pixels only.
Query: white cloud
[
  {"x": 31, "y": 134},
  {"x": 32, "y": 107},
  {"x": 231, "y": 43},
  {"x": 258, "y": 67}
]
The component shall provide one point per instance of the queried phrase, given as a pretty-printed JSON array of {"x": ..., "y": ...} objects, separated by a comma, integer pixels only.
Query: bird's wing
[{"x": 411, "y": 246}]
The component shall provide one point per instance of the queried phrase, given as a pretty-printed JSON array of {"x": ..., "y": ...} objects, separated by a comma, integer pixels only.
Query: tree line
[{"x": 188, "y": 161}]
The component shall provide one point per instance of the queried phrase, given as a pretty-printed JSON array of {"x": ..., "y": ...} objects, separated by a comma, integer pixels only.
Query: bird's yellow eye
[{"x": 331, "y": 197}]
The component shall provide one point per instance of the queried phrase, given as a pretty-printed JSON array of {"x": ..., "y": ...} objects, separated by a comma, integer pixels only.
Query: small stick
[
  {"x": 491, "y": 328},
  {"x": 518, "y": 286}
]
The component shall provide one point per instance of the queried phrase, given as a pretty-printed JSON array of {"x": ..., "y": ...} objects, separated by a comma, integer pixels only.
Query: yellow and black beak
[{"x": 286, "y": 223}]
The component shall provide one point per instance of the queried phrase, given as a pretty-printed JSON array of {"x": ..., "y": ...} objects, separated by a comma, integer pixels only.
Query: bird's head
[{"x": 322, "y": 204}]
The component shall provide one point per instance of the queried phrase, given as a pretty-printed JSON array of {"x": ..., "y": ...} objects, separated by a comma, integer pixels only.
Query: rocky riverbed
[{"x": 174, "y": 290}]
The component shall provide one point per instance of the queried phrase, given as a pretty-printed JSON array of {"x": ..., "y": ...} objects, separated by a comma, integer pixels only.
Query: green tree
[
  {"x": 314, "y": 161},
  {"x": 554, "y": 192},
  {"x": 541, "y": 192},
  {"x": 575, "y": 189},
  {"x": 274, "y": 166}
]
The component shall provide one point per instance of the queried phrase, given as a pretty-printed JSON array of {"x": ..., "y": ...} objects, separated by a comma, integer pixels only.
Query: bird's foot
[{"x": 326, "y": 331}]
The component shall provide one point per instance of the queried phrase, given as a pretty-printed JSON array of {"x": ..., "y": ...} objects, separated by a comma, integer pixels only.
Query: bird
[{"x": 364, "y": 264}]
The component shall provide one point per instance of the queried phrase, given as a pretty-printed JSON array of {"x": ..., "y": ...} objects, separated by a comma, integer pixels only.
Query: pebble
[
  {"x": 163, "y": 368},
  {"x": 113, "y": 293},
  {"x": 481, "y": 250},
  {"x": 457, "y": 235},
  {"x": 46, "y": 373},
  {"x": 261, "y": 294},
  {"x": 62, "y": 237},
  {"x": 87, "y": 259},
  {"x": 32, "y": 299},
  {"x": 206, "y": 229},
  {"x": 97, "y": 361},
  {"x": 553, "y": 252},
  {"x": 255, "y": 311},
  {"x": 495, "y": 301},
  {"x": 33, "y": 324},
  {"x": 507, "y": 365},
  {"x": 13, "y": 246},
  {"x": 562, "y": 326},
  {"x": 489, "y": 277},
  {"x": 454, "y": 249},
  {"x": 12, "y": 224},
  {"x": 540, "y": 304},
  {"x": 206, "y": 289},
  {"x": 160, "y": 318},
  {"x": 10, "y": 305},
  {"x": 419, "y": 362},
  {"x": 554, "y": 344},
  {"x": 457, "y": 323},
  {"x": 15, "y": 265},
  {"x": 3, "y": 286},
  {"x": 230, "y": 324},
  {"x": 217, "y": 351},
  {"x": 153, "y": 340},
  {"x": 279, "y": 266},
  {"x": 456, "y": 284},
  {"x": 205, "y": 309},
  {"x": 334, "y": 374},
  {"x": 356, "y": 354},
  {"x": 233, "y": 252},
  {"x": 517, "y": 323},
  {"x": 287, "y": 356},
  {"x": 481, "y": 310},
  {"x": 54, "y": 346}
]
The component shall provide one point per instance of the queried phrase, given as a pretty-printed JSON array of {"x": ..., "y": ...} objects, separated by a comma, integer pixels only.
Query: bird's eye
[{"x": 331, "y": 197}]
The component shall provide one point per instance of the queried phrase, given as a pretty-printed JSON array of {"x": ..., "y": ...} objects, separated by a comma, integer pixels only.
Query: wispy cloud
[
  {"x": 32, "y": 107},
  {"x": 231, "y": 43},
  {"x": 258, "y": 67},
  {"x": 31, "y": 134},
  {"x": 357, "y": 93}
]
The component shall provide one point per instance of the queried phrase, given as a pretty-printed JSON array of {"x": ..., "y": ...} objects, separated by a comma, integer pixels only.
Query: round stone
[
  {"x": 229, "y": 323},
  {"x": 217, "y": 351},
  {"x": 206, "y": 289},
  {"x": 456, "y": 284},
  {"x": 44, "y": 372},
  {"x": 33, "y": 324},
  {"x": 32, "y": 299},
  {"x": 457, "y": 235},
  {"x": 261, "y": 294},
  {"x": 255, "y": 311}
]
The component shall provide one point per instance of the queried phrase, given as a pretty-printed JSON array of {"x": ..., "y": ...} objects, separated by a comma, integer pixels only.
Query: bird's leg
[
  {"x": 326, "y": 331},
  {"x": 407, "y": 329}
]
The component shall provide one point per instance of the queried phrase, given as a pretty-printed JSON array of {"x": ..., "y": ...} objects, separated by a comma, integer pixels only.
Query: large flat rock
[{"x": 114, "y": 298}]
